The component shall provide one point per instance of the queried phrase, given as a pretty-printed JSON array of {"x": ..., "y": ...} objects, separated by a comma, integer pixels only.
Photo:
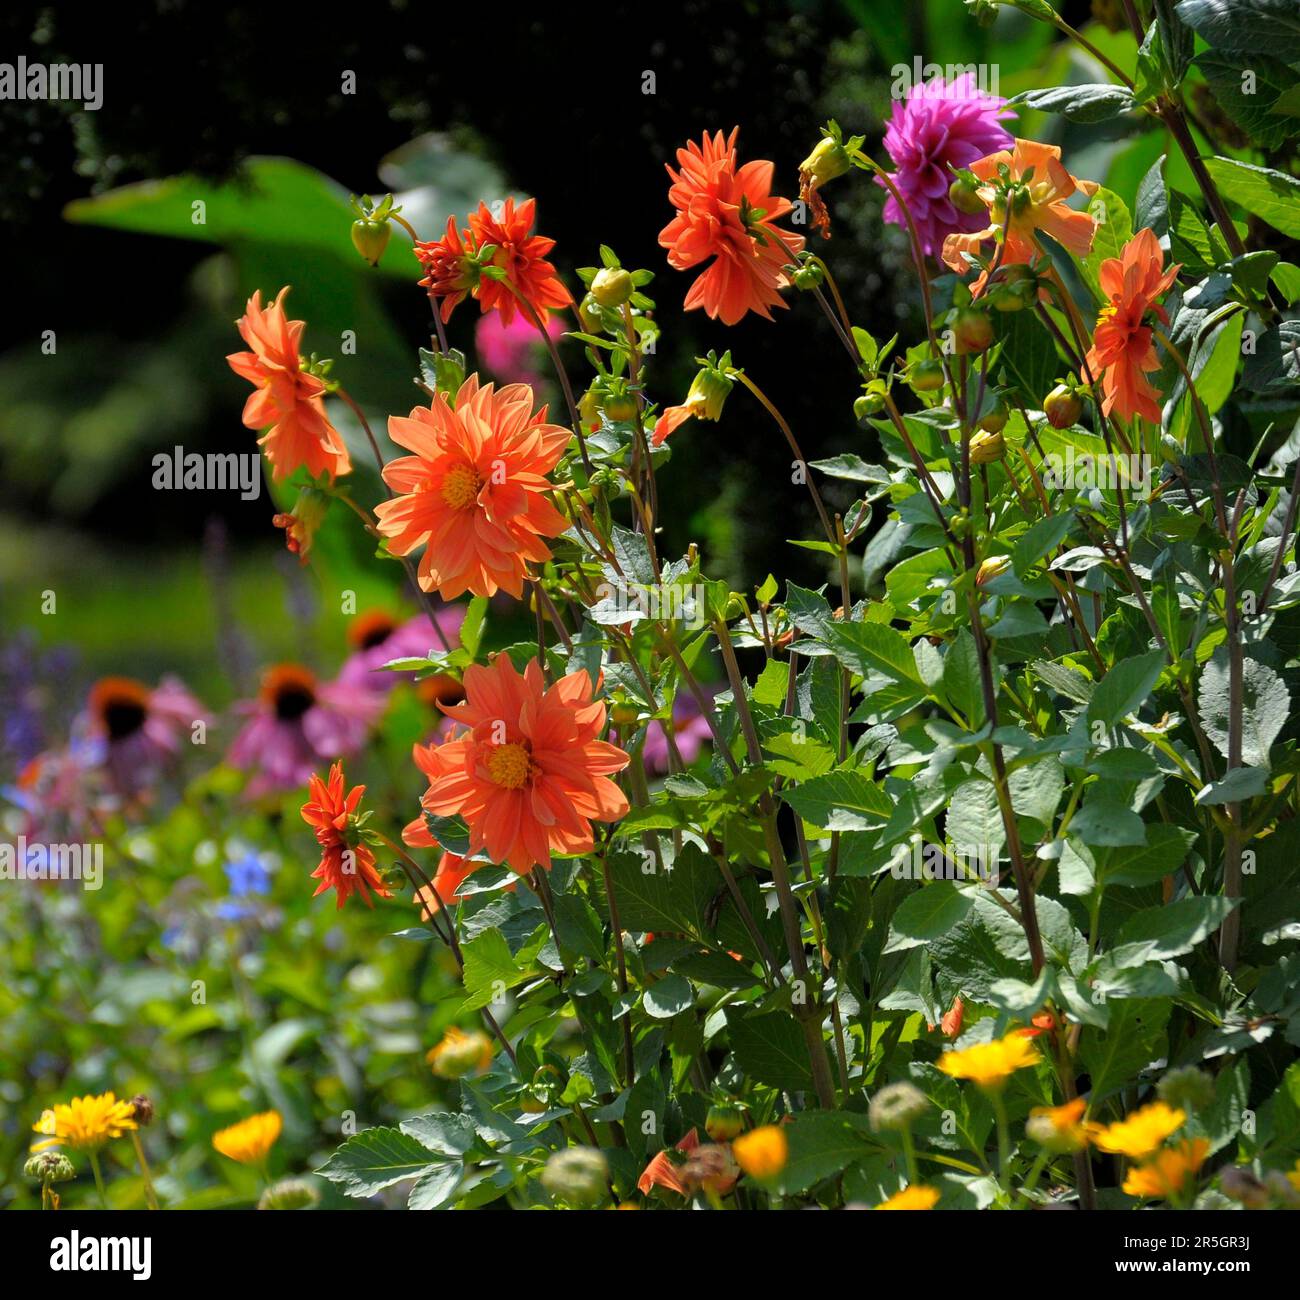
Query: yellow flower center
[
  {"x": 461, "y": 487},
  {"x": 509, "y": 765}
]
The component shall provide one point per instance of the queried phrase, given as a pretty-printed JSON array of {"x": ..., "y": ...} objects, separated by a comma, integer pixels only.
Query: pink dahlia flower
[
  {"x": 298, "y": 724},
  {"x": 940, "y": 125}
]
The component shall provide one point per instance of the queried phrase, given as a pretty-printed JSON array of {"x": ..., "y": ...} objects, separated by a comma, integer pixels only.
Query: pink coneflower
[
  {"x": 140, "y": 728},
  {"x": 690, "y": 731},
  {"x": 940, "y": 125},
  {"x": 512, "y": 351},
  {"x": 297, "y": 724},
  {"x": 378, "y": 638}
]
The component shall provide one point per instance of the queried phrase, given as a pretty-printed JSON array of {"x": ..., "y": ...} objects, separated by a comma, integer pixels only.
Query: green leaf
[
  {"x": 490, "y": 968},
  {"x": 1236, "y": 784},
  {"x": 1159, "y": 933},
  {"x": 822, "y": 1145},
  {"x": 1164, "y": 852},
  {"x": 668, "y": 997},
  {"x": 873, "y": 647},
  {"x": 771, "y": 1049},
  {"x": 1265, "y": 707},
  {"x": 848, "y": 466},
  {"x": 375, "y": 1159},
  {"x": 1228, "y": 74},
  {"x": 1270, "y": 195},
  {"x": 1134, "y": 1038},
  {"x": 1040, "y": 540},
  {"x": 846, "y": 800},
  {"x": 1094, "y": 102},
  {"x": 929, "y": 912},
  {"x": 1246, "y": 26},
  {"x": 1124, "y": 688}
]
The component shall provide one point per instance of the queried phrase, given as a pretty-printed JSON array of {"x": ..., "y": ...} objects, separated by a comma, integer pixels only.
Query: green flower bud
[
  {"x": 972, "y": 331},
  {"x": 995, "y": 421},
  {"x": 927, "y": 376},
  {"x": 290, "y": 1194},
  {"x": 897, "y": 1106},
  {"x": 612, "y": 286},
  {"x": 1062, "y": 407},
  {"x": 964, "y": 194},
  {"x": 1187, "y": 1088},
  {"x": 578, "y": 1176},
  {"x": 589, "y": 314},
  {"x": 809, "y": 276},
  {"x": 49, "y": 1167},
  {"x": 828, "y": 160},
  {"x": 370, "y": 238},
  {"x": 724, "y": 1122}
]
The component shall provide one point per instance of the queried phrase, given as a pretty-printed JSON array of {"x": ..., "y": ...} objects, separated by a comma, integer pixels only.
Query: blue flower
[{"x": 248, "y": 876}]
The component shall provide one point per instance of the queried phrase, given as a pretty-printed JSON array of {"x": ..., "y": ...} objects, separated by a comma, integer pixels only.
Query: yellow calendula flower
[
  {"x": 250, "y": 1139},
  {"x": 1059, "y": 1128},
  {"x": 991, "y": 1064},
  {"x": 1167, "y": 1174},
  {"x": 912, "y": 1198},
  {"x": 762, "y": 1153},
  {"x": 85, "y": 1123},
  {"x": 1138, "y": 1134}
]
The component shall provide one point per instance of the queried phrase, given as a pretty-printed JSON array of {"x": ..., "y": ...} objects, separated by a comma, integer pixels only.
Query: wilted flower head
[
  {"x": 940, "y": 126},
  {"x": 579, "y": 1176},
  {"x": 290, "y": 1194},
  {"x": 897, "y": 1106}
]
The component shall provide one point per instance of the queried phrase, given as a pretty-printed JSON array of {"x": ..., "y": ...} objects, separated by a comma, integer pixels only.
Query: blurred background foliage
[{"x": 243, "y": 110}]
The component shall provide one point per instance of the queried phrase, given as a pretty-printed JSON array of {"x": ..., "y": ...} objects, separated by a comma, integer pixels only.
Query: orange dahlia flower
[
  {"x": 287, "y": 403},
  {"x": 529, "y": 775},
  {"x": 347, "y": 864},
  {"x": 1036, "y": 189},
  {"x": 450, "y": 272},
  {"x": 1122, "y": 349},
  {"x": 662, "y": 1171},
  {"x": 473, "y": 495},
  {"x": 522, "y": 255},
  {"x": 728, "y": 214}
]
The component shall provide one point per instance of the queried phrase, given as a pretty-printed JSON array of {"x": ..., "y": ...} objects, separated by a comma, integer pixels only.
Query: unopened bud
[
  {"x": 579, "y": 1176},
  {"x": 972, "y": 331},
  {"x": 1062, "y": 407},
  {"x": 897, "y": 1106},
  {"x": 612, "y": 286},
  {"x": 827, "y": 161},
  {"x": 370, "y": 238},
  {"x": 143, "y": 1110}
]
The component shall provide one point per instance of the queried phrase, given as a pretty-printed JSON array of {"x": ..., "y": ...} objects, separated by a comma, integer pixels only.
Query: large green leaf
[{"x": 378, "y": 1158}]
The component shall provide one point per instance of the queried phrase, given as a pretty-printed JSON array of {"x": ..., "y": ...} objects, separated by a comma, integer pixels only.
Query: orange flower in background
[
  {"x": 916, "y": 1197},
  {"x": 522, "y": 255},
  {"x": 346, "y": 865},
  {"x": 530, "y": 774},
  {"x": 287, "y": 403},
  {"x": 762, "y": 1152},
  {"x": 450, "y": 272},
  {"x": 728, "y": 214},
  {"x": 250, "y": 1141},
  {"x": 473, "y": 495},
  {"x": 1167, "y": 1174},
  {"x": 1040, "y": 188},
  {"x": 662, "y": 1169},
  {"x": 1122, "y": 348},
  {"x": 950, "y": 1022}
]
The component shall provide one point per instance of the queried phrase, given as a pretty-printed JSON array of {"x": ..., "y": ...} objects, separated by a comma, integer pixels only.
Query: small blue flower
[{"x": 248, "y": 876}]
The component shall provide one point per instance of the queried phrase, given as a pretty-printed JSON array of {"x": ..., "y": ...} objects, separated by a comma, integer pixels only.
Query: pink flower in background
[
  {"x": 297, "y": 723},
  {"x": 512, "y": 352},
  {"x": 690, "y": 731},
  {"x": 140, "y": 728},
  {"x": 377, "y": 638},
  {"x": 940, "y": 124}
]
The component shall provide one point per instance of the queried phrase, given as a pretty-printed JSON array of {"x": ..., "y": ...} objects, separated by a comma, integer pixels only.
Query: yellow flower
[
  {"x": 1294, "y": 1176},
  {"x": 762, "y": 1153},
  {"x": 911, "y": 1198},
  {"x": 460, "y": 1053},
  {"x": 250, "y": 1139},
  {"x": 1167, "y": 1174},
  {"x": 991, "y": 1064},
  {"x": 1058, "y": 1128},
  {"x": 1140, "y": 1133},
  {"x": 85, "y": 1123}
]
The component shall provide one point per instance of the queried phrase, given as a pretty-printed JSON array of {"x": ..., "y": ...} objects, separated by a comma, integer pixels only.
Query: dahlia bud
[
  {"x": 897, "y": 1106},
  {"x": 827, "y": 161},
  {"x": 302, "y": 522},
  {"x": 619, "y": 404},
  {"x": 290, "y": 1194},
  {"x": 994, "y": 421},
  {"x": 927, "y": 376},
  {"x": 49, "y": 1167},
  {"x": 370, "y": 238},
  {"x": 589, "y": 314},
  {"x": 709, "y": 390},
  {"x": 972, "y": 331},
  {"x": 809, "y": 276},
  {"x": 1186, "y": 1088},
  {"x": 986, "y": 447},
  {"x": 143, "y": 1110},
  {"x": 964, "y": 194},
  {"x": 612, "y": 286},
  {"x": 725, "y": 1121},
  {"x": 460, "y": 1053},
  {"x": 1015, "y": 288},
  {"x": 579, "y": 1176},
  {"x": 1062, "y": 407},
  {"x": 589, "y": 409},
  {"x": 990, "y": 568}
]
